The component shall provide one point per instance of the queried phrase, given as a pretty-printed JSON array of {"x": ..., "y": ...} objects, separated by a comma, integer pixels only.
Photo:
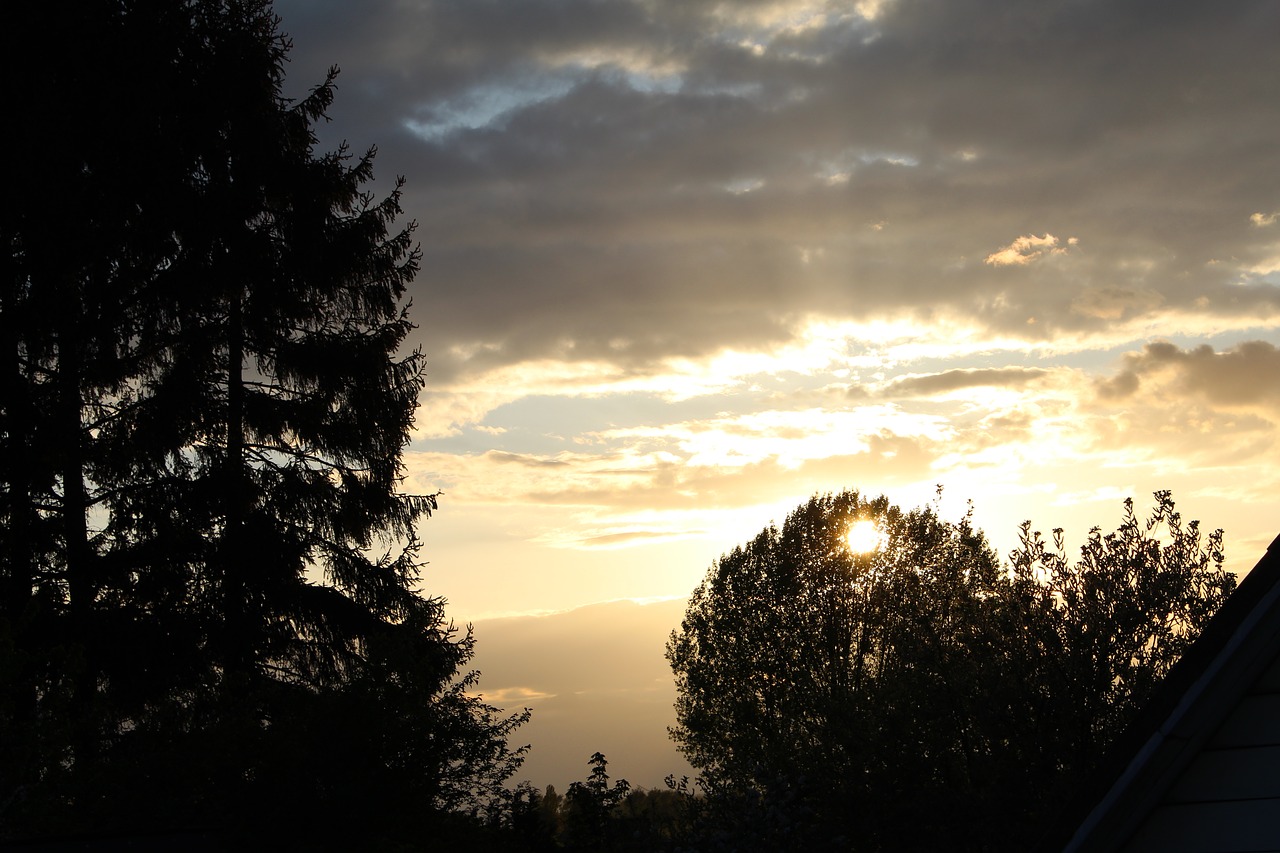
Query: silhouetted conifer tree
[{"x": 210, "y": 575}]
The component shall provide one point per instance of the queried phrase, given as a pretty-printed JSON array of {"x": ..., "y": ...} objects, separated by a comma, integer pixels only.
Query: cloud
[
  {"x": 1121, "y": 386},
  {"x": 686, "y": 262},
  {"x": 1211, "y": 413},
  {"x": 871, "y": 9},
  {"x": 651, "y": 481},
  {"x": 635, "y": 486},
  {"x": 631, "y": 537},
  {"x": 514, "y": 696},
  {"x": 788, "y": 438},
  {"x": 1025, "y": 250},
  {"x": 1247, "y": 375},
  {"x": 1115, "y": 303},
  {"x": 611, "y": 333},
  {"x": 961, "y": 379},
  {"x": 482, "y": 381},
  {"x": 525, "y": 460},
  {"x": 596, "y": 680},
  {"x": 579, "y": 192}
]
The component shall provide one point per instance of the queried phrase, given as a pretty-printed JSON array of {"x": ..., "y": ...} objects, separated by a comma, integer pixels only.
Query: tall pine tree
[{"x": 211, "y": 574}]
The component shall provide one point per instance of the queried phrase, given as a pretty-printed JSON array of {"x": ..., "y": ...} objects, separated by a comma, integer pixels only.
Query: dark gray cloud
[
  {"x": 1246, "y": 375},
  {"x": 645, "y": 179}
]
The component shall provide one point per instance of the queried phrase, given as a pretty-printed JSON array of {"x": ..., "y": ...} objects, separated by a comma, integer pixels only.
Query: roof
[{"x": 1236, "y": 646}]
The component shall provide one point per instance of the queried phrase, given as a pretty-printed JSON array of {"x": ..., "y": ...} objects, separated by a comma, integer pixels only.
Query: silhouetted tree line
[
  {"x": 594, "y": 815},
  {"x": 209, "y": 606},
  {"x": 923, "y": 696},
  {"x": 918, "y": 696}
]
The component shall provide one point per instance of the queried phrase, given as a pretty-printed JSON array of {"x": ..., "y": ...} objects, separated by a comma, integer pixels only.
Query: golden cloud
[
  {"x": 512, "y": 696},
  {"x": 1024, "y": 250}
]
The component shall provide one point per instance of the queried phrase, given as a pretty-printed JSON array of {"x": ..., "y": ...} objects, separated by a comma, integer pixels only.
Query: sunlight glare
[{"x": 863, "y": 537}]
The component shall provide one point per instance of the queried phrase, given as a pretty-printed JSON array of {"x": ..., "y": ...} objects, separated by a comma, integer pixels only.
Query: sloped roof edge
[{"x": 1198, "y": 693}]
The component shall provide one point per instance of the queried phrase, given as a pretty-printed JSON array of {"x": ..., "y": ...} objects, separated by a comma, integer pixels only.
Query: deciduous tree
[{"x": 923, "y": 695}]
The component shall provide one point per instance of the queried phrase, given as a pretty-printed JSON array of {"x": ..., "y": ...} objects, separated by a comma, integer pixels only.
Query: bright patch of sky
[
  {"x": 792, "y": 29},
  {"x": 839, "y": 168},
  {"x": 739, "y": 186},
  {"x": 787, "y": 437},
  {"x": 890, "y": 157},
  {"x": 635, "y": 71},
  {"x": 488, "y": 104},
  {"x": 484, "y": 105}
]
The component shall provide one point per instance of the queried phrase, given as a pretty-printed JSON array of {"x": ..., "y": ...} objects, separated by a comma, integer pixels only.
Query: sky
[{"x": 686, "y": 263}]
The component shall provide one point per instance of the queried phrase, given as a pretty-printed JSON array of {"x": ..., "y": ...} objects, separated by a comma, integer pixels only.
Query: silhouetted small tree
[
  {"x": 922, "y": 696},
  {"x": 587, "y": 818},
  {"x": 595, "y": 815},
  {"x": 533, "y": 820}
]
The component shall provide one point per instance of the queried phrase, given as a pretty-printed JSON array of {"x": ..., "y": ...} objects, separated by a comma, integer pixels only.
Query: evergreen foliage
[{"x": 210, "y": 604}]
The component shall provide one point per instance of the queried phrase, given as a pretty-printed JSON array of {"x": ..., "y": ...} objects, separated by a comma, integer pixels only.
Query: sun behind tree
[
  {"x": 941, "y": 700},
  {"x": 864, "y": 537}
]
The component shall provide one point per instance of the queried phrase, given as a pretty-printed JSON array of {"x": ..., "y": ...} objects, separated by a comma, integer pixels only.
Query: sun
[{"x": 864, "y": 537}]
